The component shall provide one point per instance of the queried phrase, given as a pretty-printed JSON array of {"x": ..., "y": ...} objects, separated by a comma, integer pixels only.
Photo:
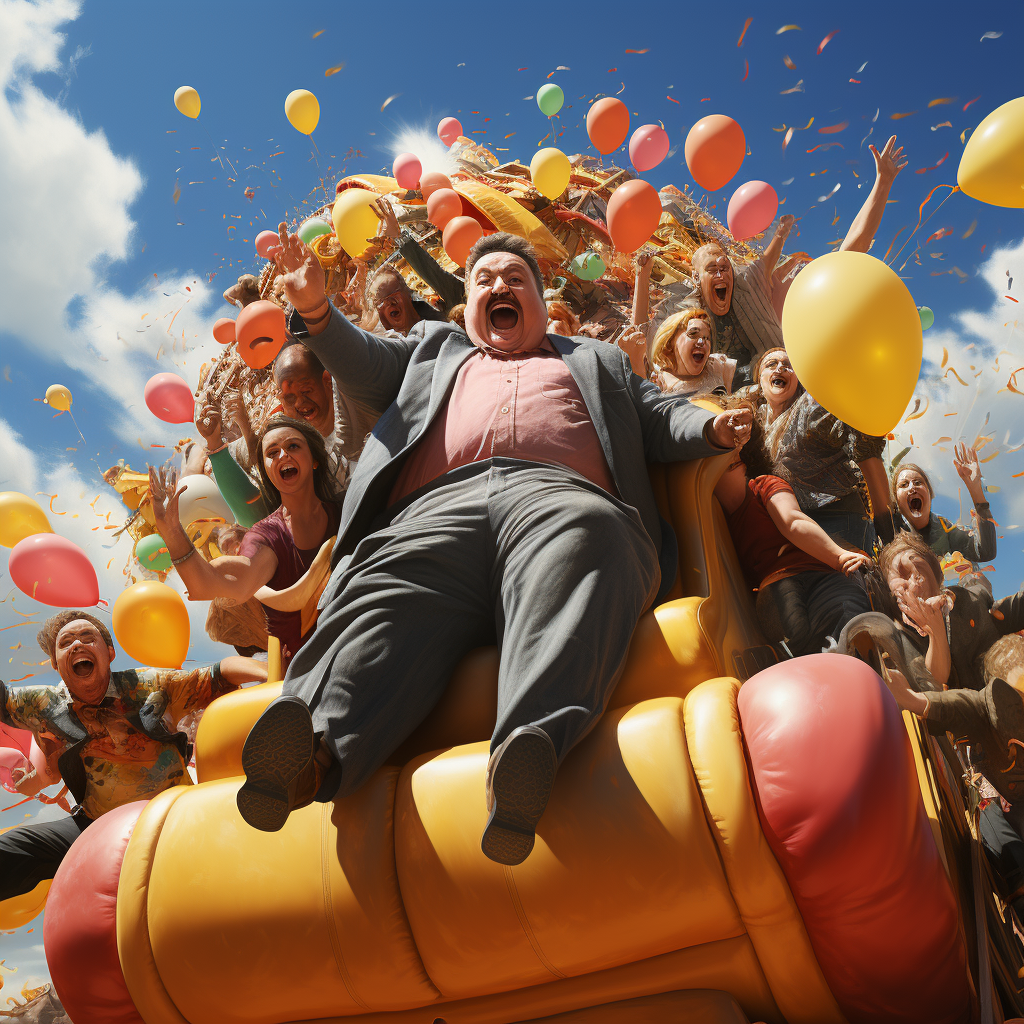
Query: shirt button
[{"x": 504, "y": 408}]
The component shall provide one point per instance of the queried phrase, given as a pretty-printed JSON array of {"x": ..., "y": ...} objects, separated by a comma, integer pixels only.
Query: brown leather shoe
[
  {"x": 520, "y": 774},
  {"x": 281, "y": 772}
]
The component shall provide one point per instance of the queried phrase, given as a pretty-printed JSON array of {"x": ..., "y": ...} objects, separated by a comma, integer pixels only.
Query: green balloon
[
  {"x": 313, "y": 228},
  {"x": 927, "y": 317},
  {"x": 152, "y": 553},
  {"x": 550, "y": 99},
  {"x": 588, "y": 266}
]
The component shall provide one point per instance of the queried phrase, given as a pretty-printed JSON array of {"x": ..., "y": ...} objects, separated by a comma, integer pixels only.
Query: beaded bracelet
[{"x": 185, "y": 557}]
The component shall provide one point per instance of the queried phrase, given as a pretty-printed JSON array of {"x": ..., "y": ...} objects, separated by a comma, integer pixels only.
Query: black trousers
[
  {"x": 29, "y": 854},
  {"x": 1003, "y": 844},
  {"x": 806, "y": 608}
]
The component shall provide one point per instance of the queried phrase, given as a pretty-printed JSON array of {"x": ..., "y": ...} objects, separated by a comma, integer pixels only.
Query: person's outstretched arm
[
  {"x": 642, "y": 290},
  {"x": 803, "y": 532},
  {"x": 981, "y": 542},
  {"x": 888, "y": 164},
  {"x": 367, "y": 368},
  {"x": 773, "y": 251}
]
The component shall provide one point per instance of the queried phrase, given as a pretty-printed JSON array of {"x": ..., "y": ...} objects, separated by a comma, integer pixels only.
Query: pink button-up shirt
[{"x": 523, "y": 405}]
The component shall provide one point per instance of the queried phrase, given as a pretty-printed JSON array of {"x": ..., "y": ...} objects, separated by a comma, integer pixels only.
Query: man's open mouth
[
  {"x": 503, "y": 315},
  {"x": 721, "y": 291},
  {"x": 915, "y": 505},
  {"x": 82, "y": 665}
]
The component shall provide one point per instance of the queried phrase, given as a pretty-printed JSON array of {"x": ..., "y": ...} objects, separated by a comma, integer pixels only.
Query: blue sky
[{"x": 99, "y": 260}]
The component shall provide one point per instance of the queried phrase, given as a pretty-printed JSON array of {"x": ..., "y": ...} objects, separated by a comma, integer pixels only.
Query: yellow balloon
[
  {"x": 19, "y": 910},
  {"x": 853, "y": 335},
  {"x": 20, "y": 517},
  {"x": 58, "y": 397},
  {"x": 186, "y": 99},
  {"x": 992, "y": 165},
  {"x": 354, "y": 219},
  {"x": 549, "y": 170},
  {"x": 151, "y": 624},
  {"x": 303, "y": 110}
]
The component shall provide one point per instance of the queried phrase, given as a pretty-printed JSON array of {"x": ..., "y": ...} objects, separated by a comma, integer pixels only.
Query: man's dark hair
[
  {"x": 325, "y": 486},
  {"x": 295, "y": 349},
  {"x": 47, "y": 636},
  {"x": 502, "y": 241}
]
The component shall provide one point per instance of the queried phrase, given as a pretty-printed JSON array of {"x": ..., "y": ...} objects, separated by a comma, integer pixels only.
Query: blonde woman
[{"x": 682, "y": 358}]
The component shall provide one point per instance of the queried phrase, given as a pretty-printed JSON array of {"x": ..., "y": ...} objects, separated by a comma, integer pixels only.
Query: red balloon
[
  {"x": 265, "y": 241},
  {"x": 752, "y": 208},
  {"x": 443, "y": 204},
  {"x": 407, "y": 170},
  {"x": 224, "y": 330},
  {"x": 715, "y": 148},
  {"x": 54, "y": 570},
  {"x": 608, "y": 124},
  {"x": 431, "y": 181},
  {"x": 261, "y": 330},
  {"x": 449, "y": 130},
  {"x": 459, "y": 236},
  {"x": 648, "y": 147},
  {"x": 634, "y": 211},
  {"x": 169, "y": 398}
]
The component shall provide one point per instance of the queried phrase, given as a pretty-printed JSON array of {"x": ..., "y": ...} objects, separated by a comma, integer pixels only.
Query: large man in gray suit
[{"x": 503, "y": 495}]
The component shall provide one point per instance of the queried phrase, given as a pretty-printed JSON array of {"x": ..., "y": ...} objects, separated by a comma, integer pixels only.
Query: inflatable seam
[
  {"x": 332, "y": 924},
  {"x": 524, "y": 921}
]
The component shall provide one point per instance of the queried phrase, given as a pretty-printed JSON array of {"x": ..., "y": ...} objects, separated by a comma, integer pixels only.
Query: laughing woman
[
  {"x": 284, "y": 558},
  {"x": 682, "y": 357}
]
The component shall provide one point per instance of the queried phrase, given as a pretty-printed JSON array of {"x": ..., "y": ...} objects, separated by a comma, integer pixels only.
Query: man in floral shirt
[{"x": 113, "y": 735}]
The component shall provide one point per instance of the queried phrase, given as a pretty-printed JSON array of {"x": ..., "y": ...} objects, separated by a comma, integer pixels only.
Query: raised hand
[
  {"x": 164, "y": 494},
  {"x": 731, "y": 429},
  {"x": 890, "y": 161},
  {"x": 923, "y": 614},
  {"x": 968, "y": 467},
  {"x": 786, "y": 222},
  {"x": 208, "y": 423},
  {"x": 302, "y": 276},
  {"x": 388, "y": 221}
]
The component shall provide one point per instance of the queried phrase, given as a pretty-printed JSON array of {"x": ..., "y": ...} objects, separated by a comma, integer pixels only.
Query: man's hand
[
  {"x": 967, "y": 465},
  {"x": 164, "y": 494},
  {"x": 786, "y": 222},
  {"x": 851, "y": 561},
  {"x": 890, "y": 161},
  {"x": 924, "y": 615},
  {"x": 388, "y": 221},
  {"x": 208, "y": 423},
  {"x": 302, "y": 276},
  {"x": 731, "y": 429}
]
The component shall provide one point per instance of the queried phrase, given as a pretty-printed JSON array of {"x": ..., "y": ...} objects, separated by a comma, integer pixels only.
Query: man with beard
[
  {"x": 503, "y": 496},
  {"x": 742, "y": 300},
  {"x": 113, "y": 735}
]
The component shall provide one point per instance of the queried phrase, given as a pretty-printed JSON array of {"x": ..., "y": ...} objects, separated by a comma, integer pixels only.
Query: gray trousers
[{"x": 533, "y": 557}]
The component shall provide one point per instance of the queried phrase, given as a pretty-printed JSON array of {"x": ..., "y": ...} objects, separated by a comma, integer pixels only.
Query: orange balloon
[
  {"x": 443, "y": 204},
  {"x": 715, "y": 148},
  {"x": 634, "y": 211},
  {"x": 459, "y": 236},
  {"x": 608, "y": 124},
  {"x": 431, "y": 181}
]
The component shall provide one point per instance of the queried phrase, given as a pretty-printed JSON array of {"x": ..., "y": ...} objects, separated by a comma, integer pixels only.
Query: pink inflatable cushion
[
  {"x": 80, "y": 926},
  {"x": 841, "y": 808}
]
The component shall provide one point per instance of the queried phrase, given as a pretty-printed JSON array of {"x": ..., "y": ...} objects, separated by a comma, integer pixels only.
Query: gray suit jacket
[{"x": 408, "y": 381}]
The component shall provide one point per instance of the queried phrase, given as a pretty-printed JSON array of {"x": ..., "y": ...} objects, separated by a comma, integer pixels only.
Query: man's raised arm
[
  {"x": 888, "y": 164},
  {"x": 367, "y": 369}
]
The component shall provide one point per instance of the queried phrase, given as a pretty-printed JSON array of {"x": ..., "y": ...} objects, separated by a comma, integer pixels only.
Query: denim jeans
[{"x": 843, "y": 525}]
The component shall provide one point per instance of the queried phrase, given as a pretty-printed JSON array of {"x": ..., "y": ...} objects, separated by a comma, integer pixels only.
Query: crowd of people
[{"x": 432, "y": 471}]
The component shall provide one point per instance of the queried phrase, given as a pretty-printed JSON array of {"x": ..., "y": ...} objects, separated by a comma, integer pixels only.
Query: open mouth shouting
[
  {"x": 721, "y": 292},
  {"x": 288, "y": 472},
  {"x": 503, "y": 315},
  {"x": 82, "y": 664},
  {"x": 778, "y": 382},
  {"x": 915, "y": 505}
]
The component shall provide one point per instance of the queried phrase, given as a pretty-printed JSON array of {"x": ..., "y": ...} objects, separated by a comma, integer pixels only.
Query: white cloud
[
  {"x": 17, "y": 463},
  {"x": 69, "y": 178}
]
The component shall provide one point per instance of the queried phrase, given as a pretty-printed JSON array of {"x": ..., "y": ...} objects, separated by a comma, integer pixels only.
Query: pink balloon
[
  {"x": 449, "y": 130},
  {"x": 170, "y": 399},
  {"x": 12, "y": 760},
  {"x": 752, "y": 209},
  {"x": 648, "y": 146},
  {"x": 54, "y": 571},
  {"x": 265, "y": 241},
  {"x": 407, "y": 170}
]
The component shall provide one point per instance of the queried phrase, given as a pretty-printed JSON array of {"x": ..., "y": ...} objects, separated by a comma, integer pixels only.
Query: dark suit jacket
[{"x": 408, "y": 381}]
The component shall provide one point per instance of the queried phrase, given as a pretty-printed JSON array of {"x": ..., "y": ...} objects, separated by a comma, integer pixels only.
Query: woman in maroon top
[
  {"x": 278, "y": 552},
  {"x": 805, "y": 583}
]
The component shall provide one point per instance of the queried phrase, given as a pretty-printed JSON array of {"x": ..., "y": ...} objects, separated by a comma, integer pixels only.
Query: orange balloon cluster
[
  {"x": 442, "y": 206},
  {"x": 634, "y": 212},
  {"x": 459, "y": 236},
  {"x": 431, "y": 181},
  {"x": 715, "y": 148},
  {"x": 608, "y": 124}
]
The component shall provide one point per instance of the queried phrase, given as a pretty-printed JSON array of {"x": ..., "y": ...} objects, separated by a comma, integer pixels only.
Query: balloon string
[
  {"x": 213, "y": 145},
  {"x": 320, "y": 174},
  {"x": 77, "y": 427},
  {"x": 920, "y": 214}
]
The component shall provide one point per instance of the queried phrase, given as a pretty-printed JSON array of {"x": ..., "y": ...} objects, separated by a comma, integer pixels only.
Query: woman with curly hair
[{"x": 683, "y": 361}]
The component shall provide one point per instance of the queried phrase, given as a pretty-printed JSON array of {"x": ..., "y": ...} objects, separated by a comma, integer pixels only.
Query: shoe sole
[
  {"x": 276, "y": 750},
  {"x": 521, "y": 784}
]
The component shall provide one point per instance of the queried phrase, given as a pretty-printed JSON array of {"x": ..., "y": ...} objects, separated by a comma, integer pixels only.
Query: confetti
[
  {"x": 827, "y": 40},
  {"x": 862, "y": 67},
  {"x": 746, "y": 25},
  {"x": 799, "y": 87},
  {"x": 899, "y": 117},
  {"x": 320, "y": 33},
  {"x": 826, "y": 145},
  {"x": 390, "y": 99},
  {"x": 951, "y": 370},
  {"x": 941, "y": 233},
  {"x": 671, "y": 100},
  {"x": 835, "y": 189},
  {"x": 787, "y": 28},
  {"x": 916, "y": 415},
  {"x": 941, "y": 101},
  {"x": 990, "y": 35},
  {"x": 924, "y": 170},
  {"x": 788, "y": 61},
  {"x": 945, "y": 124},
  {"x": 637, "y": 51},
  {"x": 746, "y": 71},
  {"x": 969, "y": 102},
  {"x": 945, "y": 358},
  {"x": 334, "y": 70},
  {"x": 834, "y": 129},
  {"x": 785, "y": 142}
]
